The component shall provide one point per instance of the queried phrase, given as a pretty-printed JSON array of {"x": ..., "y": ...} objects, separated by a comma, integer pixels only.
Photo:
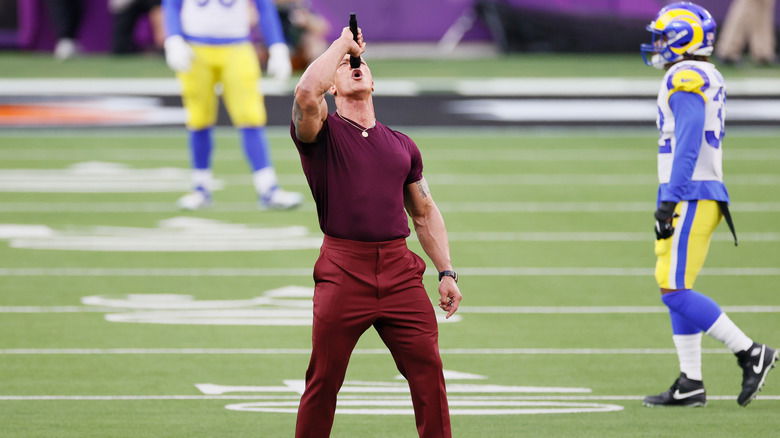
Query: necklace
[{"x": 363, "y": 132}]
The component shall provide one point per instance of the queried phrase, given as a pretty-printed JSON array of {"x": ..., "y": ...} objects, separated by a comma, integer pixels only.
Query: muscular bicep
[
  {"x": 417, "y": 198},
  {"x": 309, "y": 114}
]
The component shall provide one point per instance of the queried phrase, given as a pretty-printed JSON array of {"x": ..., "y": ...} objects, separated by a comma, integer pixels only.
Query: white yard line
[
  {"x": 307, "y": 272},
  {"x": 344, "y": 397},
  {"x": 507, "y": 310},
  {"x": 452, "y": 207},
  {"x": 359, "y": 351}
]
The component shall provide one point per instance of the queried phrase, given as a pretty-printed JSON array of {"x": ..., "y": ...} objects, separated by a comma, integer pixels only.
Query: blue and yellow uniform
[
  {"x": 691, "y": 114},
  {"x": 218, "y": 31},
  {"x": 692, "y": 200},
  {"x": 208, "y": 45}
]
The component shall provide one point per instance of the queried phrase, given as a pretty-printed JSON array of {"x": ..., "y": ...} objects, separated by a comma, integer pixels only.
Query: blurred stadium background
[{"x": 122, "y": 316}]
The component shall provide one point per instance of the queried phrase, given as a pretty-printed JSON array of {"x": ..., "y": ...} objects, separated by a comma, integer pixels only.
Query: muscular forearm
[
  {"x": 319, "y": 76},
  {"x": 432, "y": 234}
]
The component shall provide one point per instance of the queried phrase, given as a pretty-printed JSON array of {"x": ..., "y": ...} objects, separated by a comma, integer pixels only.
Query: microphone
[{"x": 354, "y": 62}]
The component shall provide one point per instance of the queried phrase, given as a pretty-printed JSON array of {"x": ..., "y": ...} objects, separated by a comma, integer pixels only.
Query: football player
[
  {"x": 208, "y": 43},
  {"x": 692, "y": 200}
]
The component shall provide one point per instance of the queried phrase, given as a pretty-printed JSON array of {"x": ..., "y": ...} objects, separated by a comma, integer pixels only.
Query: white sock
[
  {"x": 689, "y": 354},
  {"x": 202, "y": 178},
  {"x": 724, "y": 330},
  {"x": 264, "y": 180}
]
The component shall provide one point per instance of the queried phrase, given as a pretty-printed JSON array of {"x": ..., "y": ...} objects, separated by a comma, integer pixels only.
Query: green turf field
[{"x": 551, "y": 231}]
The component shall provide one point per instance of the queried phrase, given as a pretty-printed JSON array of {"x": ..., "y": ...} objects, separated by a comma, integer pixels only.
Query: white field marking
[
  {"x": 12, "y": 231},
  {"x": 307, "y": 272},
  {"x": 448, "y": 207},
  {"x": 511, "y": 310},
  {"x": 97, "y": 177},
  {"x": 599, "y": 310},
  {"x": 137, "y": 397},
  {"x": 180, "y": 234},
  {"x": 345, "y": 396},
  {"x": 457, "y": 407},
  {"x": 586, "y": 110},
  {"x": 382, "y": 402},
  {"x": 173, "y": 302},
  {"x": 247, "y": 317},
  {"x": 359, "y": 351},
  {"x": 244, "y": 317},
  {"x": 531, "y": 179},
  {"x": 512, "y": 86},
  {"x": 595, "y": 87},
  {"x": 587, "y": 236},
  {"x": 117, "y": 178},
  {"x": 185, "y": 234},
  {"x": 374, "y": 387},
  {"x": 285, "y": 306},
  {"x": 454, "y": 375}
]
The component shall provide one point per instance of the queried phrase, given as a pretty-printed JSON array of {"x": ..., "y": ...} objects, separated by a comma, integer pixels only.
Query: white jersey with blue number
[
  {"x": 701, "y": 78},
  {"x": 215, "y": 18}
]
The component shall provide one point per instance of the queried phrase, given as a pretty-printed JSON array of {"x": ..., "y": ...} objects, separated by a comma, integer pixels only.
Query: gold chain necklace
[{"x": 363, "y": 132}]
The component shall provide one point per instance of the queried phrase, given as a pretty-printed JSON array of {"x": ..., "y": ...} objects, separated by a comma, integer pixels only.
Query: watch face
[{"x": 452, "y": 274}]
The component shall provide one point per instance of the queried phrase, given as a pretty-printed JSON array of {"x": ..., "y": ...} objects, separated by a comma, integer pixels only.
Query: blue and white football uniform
[{"x": 691, "y": 115}]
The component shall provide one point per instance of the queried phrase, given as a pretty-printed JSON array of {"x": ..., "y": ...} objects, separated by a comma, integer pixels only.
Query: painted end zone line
[
  {"x": 306, "y": 272},
  {"x": 260, "y": 397},
  {"x": 359, "y": 351}
]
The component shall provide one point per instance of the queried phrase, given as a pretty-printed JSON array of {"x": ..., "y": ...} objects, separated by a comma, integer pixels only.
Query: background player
[
  {"x": 363, "y": 175},
  {"x": 208, "y": 43},
  {"x": 692, "y": 199}
]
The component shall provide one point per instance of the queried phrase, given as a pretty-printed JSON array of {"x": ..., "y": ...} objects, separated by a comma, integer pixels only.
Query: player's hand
[
  {"x": 353, "y": 48},
  {"x": 663, "y": 220},
  {"x": 449, "y": 295},
  {"x": 178, "y": 54},
  {"x": 279, "y": 66}
]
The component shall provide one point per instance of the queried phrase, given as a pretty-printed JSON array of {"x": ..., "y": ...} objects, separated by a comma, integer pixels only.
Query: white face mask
[{"x": 658, "y": 61}]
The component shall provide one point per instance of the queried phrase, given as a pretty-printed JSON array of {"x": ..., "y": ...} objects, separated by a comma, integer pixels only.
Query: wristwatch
[{"x": 452, "y": 274}]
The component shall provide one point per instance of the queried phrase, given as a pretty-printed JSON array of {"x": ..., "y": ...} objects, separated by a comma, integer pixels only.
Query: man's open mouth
[{"x": 357, "y": 74}]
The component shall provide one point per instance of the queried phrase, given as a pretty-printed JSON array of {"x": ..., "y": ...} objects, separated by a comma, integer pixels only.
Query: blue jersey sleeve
[
  {"x": 270, "y": 25},
  {"x": 172, "y": 16},
  {"x": 688, "y": 110}
]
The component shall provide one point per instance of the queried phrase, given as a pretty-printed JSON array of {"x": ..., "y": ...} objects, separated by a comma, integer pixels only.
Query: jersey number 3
[{"x": 713, "y": 138}]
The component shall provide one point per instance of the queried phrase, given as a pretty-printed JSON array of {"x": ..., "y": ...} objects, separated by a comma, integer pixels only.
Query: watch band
[{"x": 452, "y": 274}]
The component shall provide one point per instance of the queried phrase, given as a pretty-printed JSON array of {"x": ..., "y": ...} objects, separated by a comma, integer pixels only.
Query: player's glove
[
  {"x": 178, "y": 54},
  {"x": 663, "y": 220},
  {"x": 279, "y": 65}
]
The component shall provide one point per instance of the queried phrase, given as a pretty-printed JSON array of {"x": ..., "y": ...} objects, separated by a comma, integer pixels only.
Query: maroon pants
[{"x": 357, "y": 285}]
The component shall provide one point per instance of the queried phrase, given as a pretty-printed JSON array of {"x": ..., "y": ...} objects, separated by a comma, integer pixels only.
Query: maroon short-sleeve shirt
[{"x": 358, "y": 182}]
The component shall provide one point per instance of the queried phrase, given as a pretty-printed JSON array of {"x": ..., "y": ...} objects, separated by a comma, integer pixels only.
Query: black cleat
[
  {"x": 755, "y": 362},
  {"x": 684, "y": 393}
]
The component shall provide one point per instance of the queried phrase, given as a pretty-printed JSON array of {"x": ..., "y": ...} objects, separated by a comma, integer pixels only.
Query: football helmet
[{"x": 678, "y": 29}]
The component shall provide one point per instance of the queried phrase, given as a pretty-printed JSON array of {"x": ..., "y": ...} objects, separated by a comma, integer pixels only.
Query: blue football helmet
[{"x": 679, "y": 28}]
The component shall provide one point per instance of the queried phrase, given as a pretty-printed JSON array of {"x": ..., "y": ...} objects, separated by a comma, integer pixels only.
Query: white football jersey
[
  {"x": 705, "y": 80},
  {"x": 215, "y": 18}
]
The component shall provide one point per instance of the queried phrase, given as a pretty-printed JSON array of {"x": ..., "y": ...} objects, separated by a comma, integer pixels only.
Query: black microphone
[{"x": 354, "y": 62}]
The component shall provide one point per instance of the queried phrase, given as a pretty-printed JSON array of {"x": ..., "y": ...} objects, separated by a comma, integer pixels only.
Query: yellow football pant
[
  {"x": 235, "y": 66},
  {"x": 681, "y": 257}
]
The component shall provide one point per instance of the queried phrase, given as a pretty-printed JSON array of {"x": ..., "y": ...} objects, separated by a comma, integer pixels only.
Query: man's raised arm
[{"x": 310, "y": 108}]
